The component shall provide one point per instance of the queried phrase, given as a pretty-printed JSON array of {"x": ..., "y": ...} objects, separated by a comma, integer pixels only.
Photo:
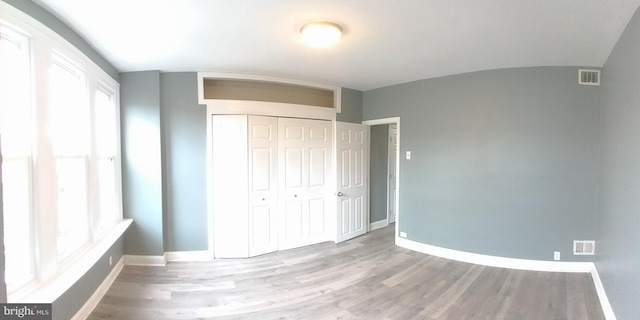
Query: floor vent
[
  {"x": 584, "y": 247},
  {"x": 589, "y": 77}
]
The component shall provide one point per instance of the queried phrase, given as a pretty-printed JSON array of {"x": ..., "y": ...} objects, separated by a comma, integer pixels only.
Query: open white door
[{"x": 352, "y": 168}]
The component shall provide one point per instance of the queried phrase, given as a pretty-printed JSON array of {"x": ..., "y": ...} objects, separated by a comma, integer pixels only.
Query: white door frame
[
  {"x": 396, "y": 121},
  {"x": 392, "y": 155}
]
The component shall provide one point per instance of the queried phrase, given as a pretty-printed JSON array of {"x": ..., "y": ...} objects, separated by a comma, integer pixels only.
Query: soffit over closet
[{"x": 225, "y": 93}]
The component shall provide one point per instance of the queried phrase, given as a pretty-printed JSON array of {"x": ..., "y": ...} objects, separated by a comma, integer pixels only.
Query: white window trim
[{"x": 53, "y": 278}]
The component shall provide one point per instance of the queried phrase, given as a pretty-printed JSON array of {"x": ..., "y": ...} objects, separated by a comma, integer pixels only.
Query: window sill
[{"x": 49, "y": 291}]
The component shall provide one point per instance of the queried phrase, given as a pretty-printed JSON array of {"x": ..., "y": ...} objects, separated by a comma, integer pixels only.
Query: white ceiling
[{"x": 385, "y": 42}]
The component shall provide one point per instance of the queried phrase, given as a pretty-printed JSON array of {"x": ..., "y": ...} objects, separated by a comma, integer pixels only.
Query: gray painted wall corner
[
  {"x": 142, "y": 161},
  {"x": 618, "y": 257},
  {"x": 184, "y": 140},
  {"x": 351, "y": 106}
]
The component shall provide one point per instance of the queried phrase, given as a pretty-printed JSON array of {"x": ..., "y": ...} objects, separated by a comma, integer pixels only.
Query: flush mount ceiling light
[{"x": 321, "y": 34}]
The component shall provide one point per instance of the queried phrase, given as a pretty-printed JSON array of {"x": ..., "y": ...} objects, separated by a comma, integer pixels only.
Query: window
[
  {"x": 106, "y": 143},
  {"x": 16, "y": 128},
  {"x": 69, "y": 132},
  {"x": 59, "y": 134}
]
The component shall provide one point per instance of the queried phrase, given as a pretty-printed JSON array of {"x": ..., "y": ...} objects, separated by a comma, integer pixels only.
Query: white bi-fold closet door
[
  {"x": 271, "y": 184},
  {"x": 304, "y": 180}
]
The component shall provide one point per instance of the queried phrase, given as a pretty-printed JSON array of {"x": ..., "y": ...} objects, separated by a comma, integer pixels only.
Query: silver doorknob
[{"x": 340, "y": 194}]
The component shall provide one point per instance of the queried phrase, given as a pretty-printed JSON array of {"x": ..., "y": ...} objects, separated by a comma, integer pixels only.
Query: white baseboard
[
  {"x": 602, "y": 295},
  {"x": 493, "y": 261},
  {"x": 102, "y": 289},
  {"x": 203, "y": 255},
  {"x": 378, "y": 224},
  {"x": 131, "y": 260}
]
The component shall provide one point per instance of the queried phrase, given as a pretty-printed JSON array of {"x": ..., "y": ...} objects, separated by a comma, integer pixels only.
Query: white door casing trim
[{"x": 390, "y": 218}]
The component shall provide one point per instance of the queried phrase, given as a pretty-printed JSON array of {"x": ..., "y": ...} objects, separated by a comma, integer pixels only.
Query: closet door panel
[
  {"x": 317, "y": 223},
  {"x": 294, "y": 165},
  {"x": 272, "y": 184},
  {"x": 292, "y": 228},
  {"x": 230, "y": 189},
  {"x": 320, "y": 188},
  {"x": 261, "y": 233},
  {"x": 305, "y": 172},
  {"x": 263, "y": 187},
  {"x": 317, "y": 167}
]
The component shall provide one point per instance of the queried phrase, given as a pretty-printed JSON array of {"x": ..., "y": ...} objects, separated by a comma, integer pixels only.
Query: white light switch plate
[{"x": 408, "y": 155}]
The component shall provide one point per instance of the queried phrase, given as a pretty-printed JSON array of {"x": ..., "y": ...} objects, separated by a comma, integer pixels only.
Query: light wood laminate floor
[{"x": 364, "y": 278}]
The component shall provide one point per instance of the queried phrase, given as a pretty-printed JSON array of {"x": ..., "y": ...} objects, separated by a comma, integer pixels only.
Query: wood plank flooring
[{"x": 364, "y": 278}]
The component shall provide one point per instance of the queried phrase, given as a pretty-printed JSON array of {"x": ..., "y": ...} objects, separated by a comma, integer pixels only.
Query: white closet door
[
  {"x": 263, "y": 193},
  {"x": 352, "y": 166},
  {"x": 304, "y": 179},
  {"x": 230, "y": 177}
]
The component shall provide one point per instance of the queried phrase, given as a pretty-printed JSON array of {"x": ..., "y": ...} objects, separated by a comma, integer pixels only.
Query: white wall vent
[
  {"x": 584, "y": 247},
  {"x": 589, "y": 77}
]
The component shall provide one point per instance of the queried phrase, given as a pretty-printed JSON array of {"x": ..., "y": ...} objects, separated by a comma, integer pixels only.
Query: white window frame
[
  {"x": 52, "y": 277},
  {"x": 98, "y": 230},
  {"x": 25, "y": 43}
]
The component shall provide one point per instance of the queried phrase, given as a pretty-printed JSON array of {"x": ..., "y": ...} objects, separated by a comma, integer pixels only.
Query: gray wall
[
  {"x": 618, "y": 257},
  {"x": 29, "y": 7},
  {"x": 379, "y": 162},
  {"x": 504, "y": 162},
  {"x": 169, "y": 205},
  {"x": 75, "y": 297},
  {"x": 351, "y": 110},
  {"x": 184, "y": 137},
  {"x": 164, "y": 162},
  {"x": 142, "y": 161}
]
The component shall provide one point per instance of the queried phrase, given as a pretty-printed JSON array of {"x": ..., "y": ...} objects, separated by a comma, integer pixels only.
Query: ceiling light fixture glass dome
[{"x": 321, "y": 34}]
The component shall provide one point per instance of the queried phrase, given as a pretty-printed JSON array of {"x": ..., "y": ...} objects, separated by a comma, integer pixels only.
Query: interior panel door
[{"x": 352, "y": 166}]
